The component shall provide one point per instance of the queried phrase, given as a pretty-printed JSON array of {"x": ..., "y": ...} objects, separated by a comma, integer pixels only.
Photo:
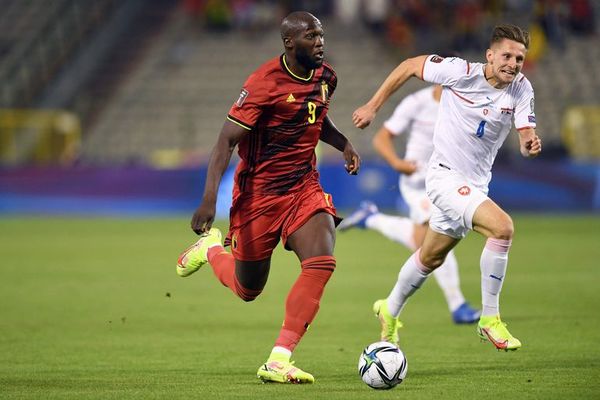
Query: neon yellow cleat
[
  {"x": 283, "y": 372},
  {"x": 494, "y": 330},
  {"x": 196, "y": 256},
  {"x": 389, "y": 324}
]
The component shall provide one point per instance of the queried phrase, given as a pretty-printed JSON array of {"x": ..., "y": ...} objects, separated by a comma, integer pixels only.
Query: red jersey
[{"x": 283, "y": 114}]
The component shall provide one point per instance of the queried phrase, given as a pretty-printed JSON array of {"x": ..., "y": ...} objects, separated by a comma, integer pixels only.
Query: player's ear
[
  {"x": 489, "y": 53},
  {"x": 288, "y": 42}
]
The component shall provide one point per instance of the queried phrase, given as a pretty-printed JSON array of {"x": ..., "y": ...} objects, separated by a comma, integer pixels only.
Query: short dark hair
[{"x": 511, "y": 32}]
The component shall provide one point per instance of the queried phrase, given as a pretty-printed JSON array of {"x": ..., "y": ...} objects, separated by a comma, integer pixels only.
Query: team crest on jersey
[
  {"x": 464, "y": 190},
  {"x": 243, "y": 94},
  {"x": 485, "y": 111},
  {"x": 437, "y": 59},
  {"x": 324, "y": 91},
  {"x": 290, "y": 99}
]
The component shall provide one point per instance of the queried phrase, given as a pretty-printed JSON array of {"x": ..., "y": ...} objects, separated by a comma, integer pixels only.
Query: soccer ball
[{"x": 382, "y": 365}]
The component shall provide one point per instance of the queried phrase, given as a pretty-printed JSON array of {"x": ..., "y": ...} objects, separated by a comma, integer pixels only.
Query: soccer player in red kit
[{"x": 276, "y": 122}]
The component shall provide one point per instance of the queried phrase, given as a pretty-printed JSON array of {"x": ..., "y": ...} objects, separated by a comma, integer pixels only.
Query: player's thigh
[
  {"x": 454, "y": 200},
  {"x": 492, "y": 221},
  {"x": 419, "y": 233},
  {"x": 255, "y": 226},
  {"x": 253, "y": 274},
  {"x": 316, "y": 237},
  {"x": 435, "y": 247}
]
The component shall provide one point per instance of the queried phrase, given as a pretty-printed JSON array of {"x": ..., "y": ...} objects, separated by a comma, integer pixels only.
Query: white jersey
[
  {"x": 416, "y": 115},
  {"x": 474, "y": 117}
]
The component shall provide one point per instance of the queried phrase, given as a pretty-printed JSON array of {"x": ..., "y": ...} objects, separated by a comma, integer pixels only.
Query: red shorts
[{"x": 257, "y": 221}]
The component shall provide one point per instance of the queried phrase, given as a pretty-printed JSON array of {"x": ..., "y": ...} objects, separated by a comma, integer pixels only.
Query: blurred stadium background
[{"x": 112, "y": 107}]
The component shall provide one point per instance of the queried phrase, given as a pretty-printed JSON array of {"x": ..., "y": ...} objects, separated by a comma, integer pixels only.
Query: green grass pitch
[{"x": 93, "y": 309}]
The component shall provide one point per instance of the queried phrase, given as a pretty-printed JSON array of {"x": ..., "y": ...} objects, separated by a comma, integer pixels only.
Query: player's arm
[
  {"x": 530, "y": 143},
  {"x": 383, "y": 142},
  {"x": 220, "y": 156},
  {"x": 408, "y": 68},
  {"x": 332, "y": 136}
]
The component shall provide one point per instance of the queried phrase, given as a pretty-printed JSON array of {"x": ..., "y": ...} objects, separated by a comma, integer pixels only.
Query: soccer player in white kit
[
  {"x": 478, "y": 104},
  {"x": 416, "y": 116}
]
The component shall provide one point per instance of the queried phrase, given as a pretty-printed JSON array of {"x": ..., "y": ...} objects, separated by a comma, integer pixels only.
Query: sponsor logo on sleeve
[
  {"x": 240, "y": 101},
  {"x": 531, "y": 105},
  {"x": 531, "y": 119},
  {"x": 437, "y": 59}
]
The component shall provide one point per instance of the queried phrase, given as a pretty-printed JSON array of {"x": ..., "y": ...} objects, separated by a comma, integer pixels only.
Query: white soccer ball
[{"x": 382, "y": 365}]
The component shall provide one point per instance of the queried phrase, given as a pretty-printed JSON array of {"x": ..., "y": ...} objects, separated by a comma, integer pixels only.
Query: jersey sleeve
[
  {"x": 524, "y": 109},
  {"x": 444, "y": 71},
  {"x": 249, "y": 106},
  {"x": 330, "y": 77},
  {"x": 403, "y": 115}
]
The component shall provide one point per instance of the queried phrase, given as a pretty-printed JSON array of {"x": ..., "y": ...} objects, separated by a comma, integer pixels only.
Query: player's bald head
[{"x": 297, "y": 22}]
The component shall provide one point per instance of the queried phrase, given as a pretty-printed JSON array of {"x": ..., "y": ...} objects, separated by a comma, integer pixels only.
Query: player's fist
[
  {"x": 203, "y": 218},
  {"x": 532, "y": 147},
  {"x": 363, "y": 116},
  {"x": 352, "y": 159}
]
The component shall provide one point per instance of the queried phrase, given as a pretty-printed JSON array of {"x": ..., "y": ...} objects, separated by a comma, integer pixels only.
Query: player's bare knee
[
  {"x": 504, "y": 229},
  {"x": 430, "y": 262}
]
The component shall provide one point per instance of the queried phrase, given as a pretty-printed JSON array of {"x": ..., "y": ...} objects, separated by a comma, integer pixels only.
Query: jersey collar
[{"x": 294, "y": 76}]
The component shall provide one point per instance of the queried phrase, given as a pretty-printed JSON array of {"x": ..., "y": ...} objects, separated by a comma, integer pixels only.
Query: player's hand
[
  {"x": 532, "y": 148},
  {"x": 363, "y": 116},
  {"x": 405, "y": 167},
  {"x": 203, "y": 218},
  {"x": 352, "y": 159}
]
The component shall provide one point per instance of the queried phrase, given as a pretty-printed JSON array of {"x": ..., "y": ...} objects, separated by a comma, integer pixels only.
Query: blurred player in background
[
  {"x": 417, "y": 114},
  {"x": 276, "y": 123},
  {"x": 478, "y": 103}
]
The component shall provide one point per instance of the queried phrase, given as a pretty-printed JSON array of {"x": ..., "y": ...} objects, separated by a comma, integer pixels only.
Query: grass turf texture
[{"x": 92, "y": 308}]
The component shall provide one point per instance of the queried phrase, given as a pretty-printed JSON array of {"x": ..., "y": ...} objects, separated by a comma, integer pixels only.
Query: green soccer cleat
[
  {"x": 196, "y": 256},
  {"x": 389, "y": 324},
  {"x": 494, "y": 330},
  {"x": 283, "y": 372}
]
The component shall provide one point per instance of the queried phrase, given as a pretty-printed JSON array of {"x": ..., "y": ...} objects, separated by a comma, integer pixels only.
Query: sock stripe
[
  {"x": 321, "y": 267},
  {"x": 498, "y": 245},
  {"x": 425, "y": 270},
  {"x": 319, "y": 261}
]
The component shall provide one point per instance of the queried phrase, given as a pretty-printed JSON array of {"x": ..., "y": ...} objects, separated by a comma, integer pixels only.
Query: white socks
[
  {"x": 280, "y": 353},
  {"x": 446, "y": 276},
  {"x": 494, "y": 260},
  {"x": 398, "y": 229},
  {"x": 412, "y": 275}
]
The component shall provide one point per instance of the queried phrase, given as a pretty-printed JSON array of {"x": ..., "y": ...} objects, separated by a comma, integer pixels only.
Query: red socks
[{"x": 303, "y": 300}]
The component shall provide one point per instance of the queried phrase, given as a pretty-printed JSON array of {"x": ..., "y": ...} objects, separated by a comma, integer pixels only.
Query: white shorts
[
  {"x": 454, "y": 200},
  {"x": 417, "y": 200}
]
